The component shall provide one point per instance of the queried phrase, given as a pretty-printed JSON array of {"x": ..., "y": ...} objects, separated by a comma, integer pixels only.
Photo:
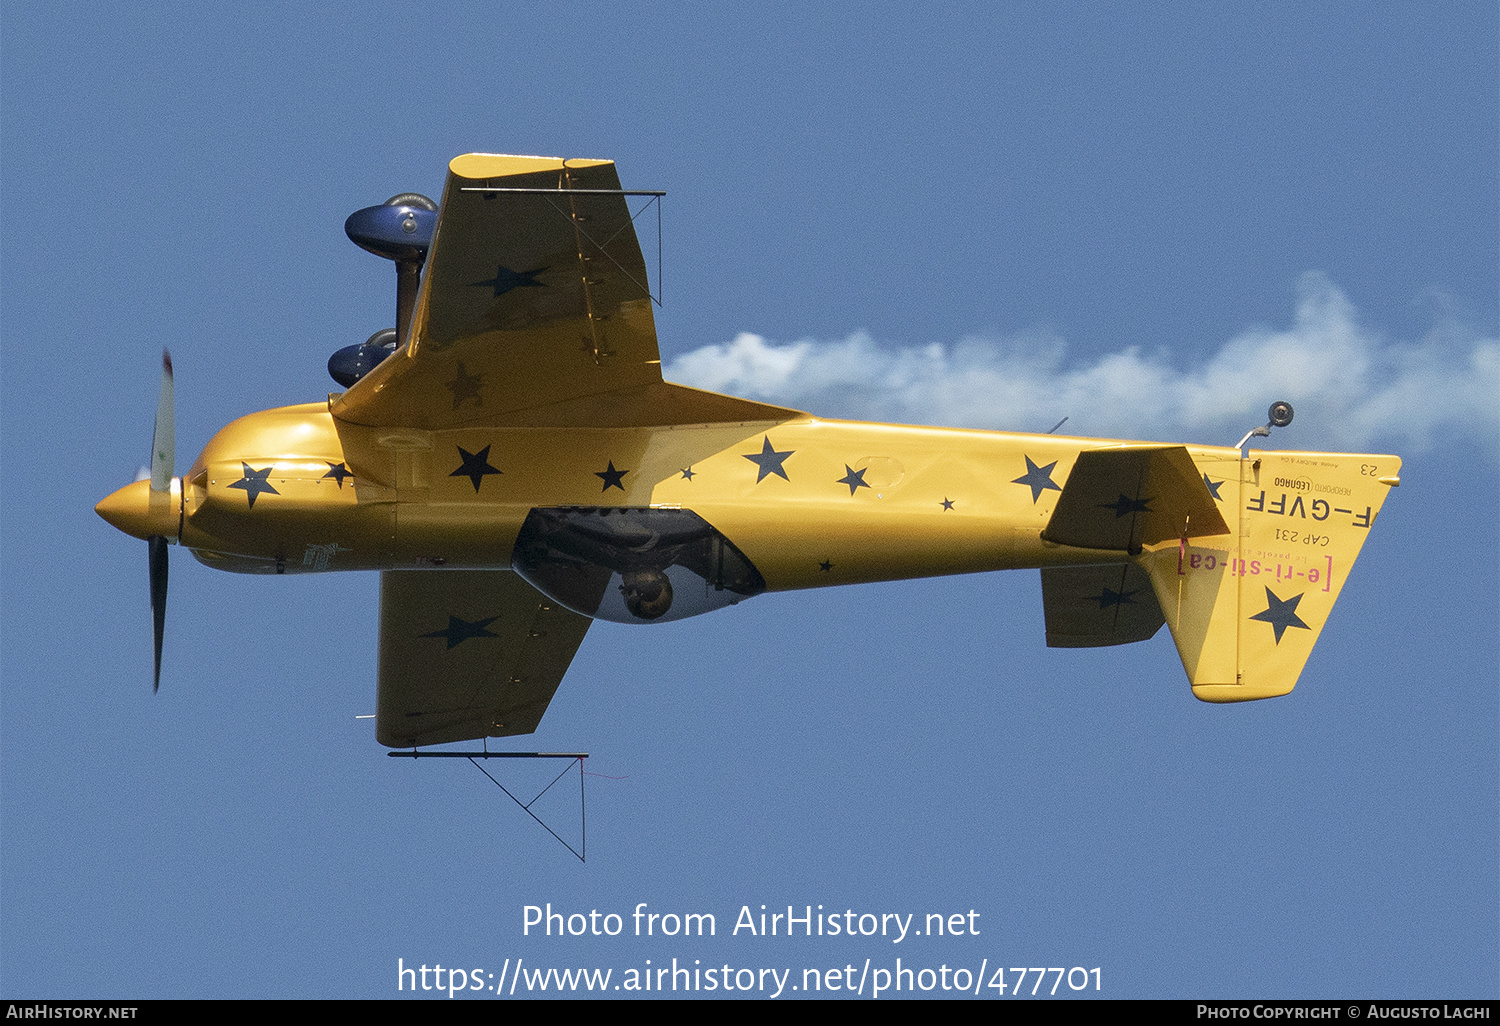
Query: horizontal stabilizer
[
  {"x": 1127, "y": 498},
  {"x": 1093, "y": 606}
]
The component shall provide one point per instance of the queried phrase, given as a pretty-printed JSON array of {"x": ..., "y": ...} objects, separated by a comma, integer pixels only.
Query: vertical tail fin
[{"x": 1246, "y": 608}]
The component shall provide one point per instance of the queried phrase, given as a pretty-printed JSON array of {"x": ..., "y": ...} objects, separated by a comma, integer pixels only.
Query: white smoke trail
[{"x": 1352, "y": 388}]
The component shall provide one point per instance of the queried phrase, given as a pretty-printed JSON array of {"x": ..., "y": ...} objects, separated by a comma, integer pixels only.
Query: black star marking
[
  {"x": 1281, "y": 614},
  {"x": 254, "y": 482},
  {"x": 825, "y": 566},
  {"x": 1124, "y": 505},
  {"x": 1213, "y": 487},
  {"x": 611, "y": 477},
  {"x": 466, "y": 386},
  {"x": 947, "y": 503},
  {"x": 338, "y": 472},
  {"x": 475, "y": 465},
  {"x": 1109, "y": 597},
  {"x": 769, "y": 461},
  {"x": 1038, "y": 479},
  {"x": 505, "y": 279},
  {"x": 459, "y": 631},
  {"x": 687, "y": 473},
  {"x": 853, "y": 478}
]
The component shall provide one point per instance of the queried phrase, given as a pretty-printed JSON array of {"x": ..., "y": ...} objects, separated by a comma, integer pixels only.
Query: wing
[
  {"x": 467, "y": 654},
  {"x": 534, "y": 293}
]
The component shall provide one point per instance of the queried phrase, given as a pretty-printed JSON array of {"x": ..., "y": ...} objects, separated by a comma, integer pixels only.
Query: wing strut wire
[{"x": 572, "y": 757}]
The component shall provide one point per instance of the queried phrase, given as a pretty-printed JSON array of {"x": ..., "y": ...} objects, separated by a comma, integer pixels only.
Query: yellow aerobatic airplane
[{"x": 512, "y": 462}]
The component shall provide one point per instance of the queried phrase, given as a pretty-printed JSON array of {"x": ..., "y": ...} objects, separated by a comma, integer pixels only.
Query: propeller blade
[
  {"x": 163, "y": 458},
  {"x": 163, "y": 441},
  {"x": 158, "y": 598}
]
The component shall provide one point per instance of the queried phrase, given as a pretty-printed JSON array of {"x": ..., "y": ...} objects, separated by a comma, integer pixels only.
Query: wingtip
[{"x": 504, "y": 165}]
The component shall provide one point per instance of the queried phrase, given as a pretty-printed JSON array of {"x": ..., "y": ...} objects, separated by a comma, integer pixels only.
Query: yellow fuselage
[{"x": 858, "y": 502}]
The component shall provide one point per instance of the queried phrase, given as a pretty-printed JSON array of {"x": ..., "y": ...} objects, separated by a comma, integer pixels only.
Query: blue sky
[{"x": 949, "y": 215}]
